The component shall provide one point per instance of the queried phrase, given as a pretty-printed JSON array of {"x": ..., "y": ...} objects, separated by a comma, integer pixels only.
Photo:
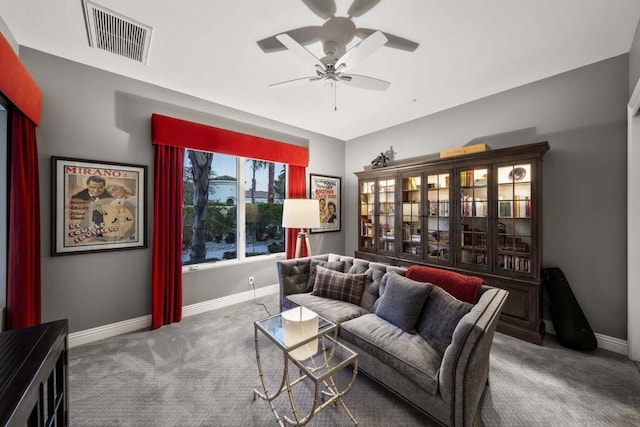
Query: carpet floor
[{"x": 201, "y": 372}]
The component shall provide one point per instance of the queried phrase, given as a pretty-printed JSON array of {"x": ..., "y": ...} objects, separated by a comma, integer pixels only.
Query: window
[{"x": 232, "y": 207}]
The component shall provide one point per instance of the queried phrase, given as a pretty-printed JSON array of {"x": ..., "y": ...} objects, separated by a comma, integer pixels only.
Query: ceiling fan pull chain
[{"x": 335, "y": 96}]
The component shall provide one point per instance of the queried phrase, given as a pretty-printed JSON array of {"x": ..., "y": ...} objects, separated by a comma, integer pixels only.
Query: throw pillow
[
  {"x": 331, "y": 265},
  {"x": 402, "y": 301},
  {"x": 462, "y": 286},
  {"x": 341, "y": 286},
  {"x": 442, "y": 313}
]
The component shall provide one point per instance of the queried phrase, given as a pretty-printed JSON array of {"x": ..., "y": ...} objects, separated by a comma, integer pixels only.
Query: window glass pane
[
  {"x": 264, "y": 194},
  {"x": 209, "y": 214}
]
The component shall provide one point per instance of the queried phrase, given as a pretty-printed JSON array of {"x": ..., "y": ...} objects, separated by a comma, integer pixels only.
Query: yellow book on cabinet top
[{"x": 468, "y": 149}]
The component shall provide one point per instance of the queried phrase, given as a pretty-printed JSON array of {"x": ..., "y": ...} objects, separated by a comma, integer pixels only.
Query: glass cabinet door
[
  {"x": 385, "y": 233},
  {"x": 367, "y": 210},
  {"x": 474, "y": 217},
  {"x": 412, "y": 216},
  {"x": 514, "y": 217},
  {"x": 438, "y": 204}
]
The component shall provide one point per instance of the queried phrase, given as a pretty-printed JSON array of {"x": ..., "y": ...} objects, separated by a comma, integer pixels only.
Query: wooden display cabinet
[{"x": 477, "y": 214}]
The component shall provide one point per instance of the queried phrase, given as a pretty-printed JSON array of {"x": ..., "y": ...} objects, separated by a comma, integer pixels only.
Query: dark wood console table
[{"x": 34, "y": 376}]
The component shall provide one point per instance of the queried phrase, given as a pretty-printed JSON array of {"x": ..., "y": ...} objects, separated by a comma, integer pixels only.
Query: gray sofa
[{"x": 447, "y": 385}]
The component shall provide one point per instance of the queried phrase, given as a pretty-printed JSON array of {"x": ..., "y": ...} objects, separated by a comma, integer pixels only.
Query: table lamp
[
  {"x": 299, "y": 324},
  {"x": 302, "y": 214}
]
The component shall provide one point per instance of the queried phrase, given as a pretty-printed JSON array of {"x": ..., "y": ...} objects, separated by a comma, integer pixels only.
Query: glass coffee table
[{"x": 331, "y": 357}]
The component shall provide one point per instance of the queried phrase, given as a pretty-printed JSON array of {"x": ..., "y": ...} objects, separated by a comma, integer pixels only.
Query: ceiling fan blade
[
  {"x": 299, "y": 50},
  {"x": 360, "y": 7},
  {"x": 360, "y": 51},
  {"x": 364, "y": 82},
  {"x": 325, "y": 9},
  {"x": 303, "y": 35},
  {"x": 295, "y": 82},
  {"x": 392, "y": 40}
]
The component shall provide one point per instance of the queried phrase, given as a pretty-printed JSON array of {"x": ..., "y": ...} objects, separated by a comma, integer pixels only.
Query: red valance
[
  {"x": 17, "y": 84},
  {"x": 181, "y": 133}
]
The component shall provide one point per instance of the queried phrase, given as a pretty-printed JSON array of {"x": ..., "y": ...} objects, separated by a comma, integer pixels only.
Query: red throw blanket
[{"x": 465, "y": 288}]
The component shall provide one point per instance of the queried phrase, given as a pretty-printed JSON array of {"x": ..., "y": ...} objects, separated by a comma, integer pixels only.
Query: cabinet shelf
[
  {"x": 474, "y": 248},
  {"x": 520, "y": 254},
  {"x": 477, "y": 214}
]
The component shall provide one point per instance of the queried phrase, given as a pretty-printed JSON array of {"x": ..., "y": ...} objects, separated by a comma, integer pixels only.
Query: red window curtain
[
  {"x": 182, "y": 133},
  {"x": 24, "y": 262},
  {"x": 297, "y": 190},
  {"x": 166, "y": 275},
  {"x": 178, "y": 135}
]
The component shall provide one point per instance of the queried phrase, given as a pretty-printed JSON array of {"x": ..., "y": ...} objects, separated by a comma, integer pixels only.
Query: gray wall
[
  {"x": 633, "y": 204},
  {"x": 97, "y": 115},
  {"x": 4, "y": 29},
  {"x": 634, "y": 61},
  {"x": 582, "y": 113}
]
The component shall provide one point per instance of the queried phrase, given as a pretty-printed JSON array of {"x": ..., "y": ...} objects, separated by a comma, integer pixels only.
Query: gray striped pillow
[{"x": 341, "y": 286}]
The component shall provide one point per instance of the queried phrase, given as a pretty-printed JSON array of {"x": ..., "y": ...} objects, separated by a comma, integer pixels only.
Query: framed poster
[
  {"x": 97, "y": 206},
  {"x": 327, "y": 190}
]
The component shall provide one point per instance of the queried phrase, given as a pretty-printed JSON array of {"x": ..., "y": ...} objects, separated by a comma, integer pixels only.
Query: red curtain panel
[
  {"x": 166, "y": 275},
  {"x": 297, "y": 190},
  {"x": 24, "y": 262}
]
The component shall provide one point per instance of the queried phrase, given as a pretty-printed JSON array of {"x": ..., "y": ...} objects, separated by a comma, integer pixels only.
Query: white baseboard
[
  {"x": 203, "y": 307},
  {"x": 106, "y": 331},
  {"x": 605, "y": 342},
  {"x": 143, "y": 322}
]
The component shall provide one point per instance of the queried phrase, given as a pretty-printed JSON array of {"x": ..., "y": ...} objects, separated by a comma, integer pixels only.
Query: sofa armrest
[
  {"x": 465, "y": 364},
  {"x": 293, "y": 277}
]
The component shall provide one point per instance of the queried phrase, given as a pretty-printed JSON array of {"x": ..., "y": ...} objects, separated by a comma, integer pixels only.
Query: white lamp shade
[
  {"x": 301, "y": 213},
  {"x": 299, "y": 324}
]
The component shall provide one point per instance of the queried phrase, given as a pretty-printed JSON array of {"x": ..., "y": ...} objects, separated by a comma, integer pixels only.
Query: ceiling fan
[
  {"x": 332, "y": 68},
  {"x": 335, "y": 34}
]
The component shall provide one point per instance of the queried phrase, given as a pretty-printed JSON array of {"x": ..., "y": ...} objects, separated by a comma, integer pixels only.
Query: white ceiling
[{"x": 468, "y": 49}]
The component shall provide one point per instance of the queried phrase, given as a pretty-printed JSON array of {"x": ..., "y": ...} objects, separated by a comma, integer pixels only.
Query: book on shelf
[
  {"x": 468, "y": 178},
  {"x": 518, "y": 208},
  {"x": 505, "y": 208},
  {"x": 471, "y": 257},
  {"x": 443, "y": 208},
  {"x": 522, "y": 207},
  {"x": 514, "y": 263}
]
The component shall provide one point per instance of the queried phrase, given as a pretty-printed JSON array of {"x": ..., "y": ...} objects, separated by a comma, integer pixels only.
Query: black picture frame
[
  {"x": 327, "y": 188},
  {"x": 97, "y": 206}
]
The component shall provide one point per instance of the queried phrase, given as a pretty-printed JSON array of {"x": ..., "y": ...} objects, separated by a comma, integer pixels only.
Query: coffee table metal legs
[{"x": 325, "y": 386}]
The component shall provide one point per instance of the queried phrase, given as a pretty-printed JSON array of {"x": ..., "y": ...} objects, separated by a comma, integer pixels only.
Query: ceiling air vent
[{"x": 115, "y": 33}]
